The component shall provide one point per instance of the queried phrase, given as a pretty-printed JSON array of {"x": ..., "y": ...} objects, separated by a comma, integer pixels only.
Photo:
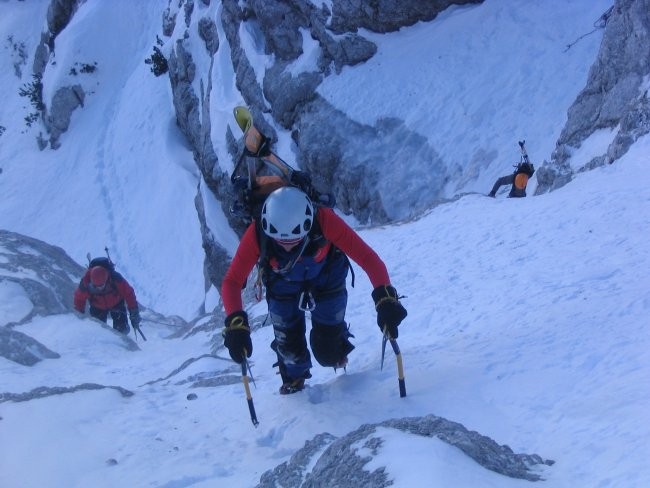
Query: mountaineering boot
[{"x": 292, "y": 386}]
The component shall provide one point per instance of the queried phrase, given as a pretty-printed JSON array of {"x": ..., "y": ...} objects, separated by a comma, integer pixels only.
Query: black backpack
[{"x": 527, "y": 168}]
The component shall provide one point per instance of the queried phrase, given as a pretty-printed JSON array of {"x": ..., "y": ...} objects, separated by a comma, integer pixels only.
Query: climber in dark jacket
[{"x": 518, "y": 179}]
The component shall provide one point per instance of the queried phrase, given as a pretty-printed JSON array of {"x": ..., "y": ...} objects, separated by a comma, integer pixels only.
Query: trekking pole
[
  {"x": 245, "y": 370},
  {"x": 398, "y": 357}
]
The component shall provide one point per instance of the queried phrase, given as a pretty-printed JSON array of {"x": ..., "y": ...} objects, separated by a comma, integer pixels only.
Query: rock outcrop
[
  {"x": 342, "y": 462},
  {"x": 615, "y": 98}
]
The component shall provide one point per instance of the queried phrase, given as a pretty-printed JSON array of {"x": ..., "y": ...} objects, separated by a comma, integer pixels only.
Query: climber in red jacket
[
  {"x": 303, "y": 254},
  {"x": 107, "y": 291}
]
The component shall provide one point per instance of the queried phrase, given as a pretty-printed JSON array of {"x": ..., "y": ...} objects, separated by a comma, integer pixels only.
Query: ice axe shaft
[
  {"x": 398, "y": 358},
  {"x": 245, "y": 369}
]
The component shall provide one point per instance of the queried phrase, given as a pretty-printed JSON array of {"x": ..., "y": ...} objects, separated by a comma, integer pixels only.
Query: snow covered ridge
[{"x": 349, "y": 461}]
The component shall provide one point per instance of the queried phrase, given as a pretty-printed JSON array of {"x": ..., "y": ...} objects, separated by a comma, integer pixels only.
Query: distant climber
[
  {"x": 107, "y": 291},
  {"x": 524, "y": 170}
]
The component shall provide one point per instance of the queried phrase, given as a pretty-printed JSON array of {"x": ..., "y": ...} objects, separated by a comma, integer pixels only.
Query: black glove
[
  {"x": 237, "y": 336},
  {"x": 134, "y": 314},
  {"x": 390, "y": 311}
]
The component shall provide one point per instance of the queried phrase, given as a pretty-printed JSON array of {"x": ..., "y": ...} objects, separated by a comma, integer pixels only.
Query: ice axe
[{"x": 398, "y": 356}]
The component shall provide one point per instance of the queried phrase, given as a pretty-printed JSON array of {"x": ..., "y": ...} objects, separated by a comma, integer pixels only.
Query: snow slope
[
  {"x": 526, "y": 323},
  {"x": 526, "y": 317}
]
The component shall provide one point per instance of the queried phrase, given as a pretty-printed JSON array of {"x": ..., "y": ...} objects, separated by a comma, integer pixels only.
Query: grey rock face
[
  {"x": 280, "y": 23},
  {"x": 193, "y": 118},
  {"x": 57, "y": 118},
  {"x": 350, "y": 50},
  {"x": 615, "y": 77},
  {"x": 612, "y": 95},
  {"x": 231, "y": 18},
  {"x": 66, "y": 99},
  {"x": 337, "y": 462},
  {"x": 363, "y": 165},
  {"x": 59, "y": 14},
  {"x": 287, "y": 92},
  {"x": 169, "y": 22},
  {"x": 208, "y": 32},
  {"x": 292, "y": 472},
  {"x": 46, "y": 273},
  {"x": 188, "y": 8},
  {"x": 192, "y": 112},
  {"x": 48, "y": 278},
  {"x": 22, "y": 349}
]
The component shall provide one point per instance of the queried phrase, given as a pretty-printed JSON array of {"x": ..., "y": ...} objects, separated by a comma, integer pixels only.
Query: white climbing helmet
[{"x": 287, "y": 215}]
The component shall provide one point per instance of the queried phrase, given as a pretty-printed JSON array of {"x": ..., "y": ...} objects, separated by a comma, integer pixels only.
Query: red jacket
[
  {"x": 334, "y": 229},
  {"x": 117, "y": 289}
]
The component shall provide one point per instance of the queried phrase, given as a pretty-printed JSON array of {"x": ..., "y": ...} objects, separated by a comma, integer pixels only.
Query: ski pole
[
  {"x": 524, "y": 154},
  {"x": 398, "y": 357},
  {"x": 245, "y": 370}
]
